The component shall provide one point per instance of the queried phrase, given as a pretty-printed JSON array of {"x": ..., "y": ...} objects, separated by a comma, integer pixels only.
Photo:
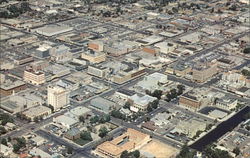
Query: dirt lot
[{"x": 159, "y": 150}]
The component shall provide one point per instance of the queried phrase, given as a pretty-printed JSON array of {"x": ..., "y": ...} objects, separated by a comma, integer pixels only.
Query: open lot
[{"x": 159, "y": 150}]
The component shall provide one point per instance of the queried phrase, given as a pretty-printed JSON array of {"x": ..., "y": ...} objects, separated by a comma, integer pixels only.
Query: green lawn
[{"x": 81, "y": 141}]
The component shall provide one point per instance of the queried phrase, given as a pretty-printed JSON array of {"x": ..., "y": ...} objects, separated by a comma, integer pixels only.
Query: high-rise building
[{"x": 57, "y": 97}]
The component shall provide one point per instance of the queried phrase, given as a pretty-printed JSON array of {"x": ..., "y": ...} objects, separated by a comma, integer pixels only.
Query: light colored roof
[
  {"x": 127, "y": 141},
  {"x": 37, "y": 151},
  {"x": 36, "y": 111},
  {"x": 144, "y": 100},
  {"x": 102, "y": 104},
  {"x": 9, "y": 84},
  {"x": 65, "y": 120},
  {"x": 217, "y": 114}
]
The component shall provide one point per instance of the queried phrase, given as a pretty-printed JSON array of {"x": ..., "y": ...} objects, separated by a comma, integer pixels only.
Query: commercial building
[
  {"x": 36, "y": 151},
  {"x": 96, "y": 45},
  {"x": 153, "y": 81},
  {"x": 98, "y": 71},
  {"x": 126, "y": 75},
  {"x": 39, "y": 65},
  {"x": 179, "y": 69},
  {"x": 34, "y": 77},
  {"x": 65, "y": 121},
  {"x": 140, "y": 103},
  {"x": 5, "y": 151},
  {"x": 10, "y": 86},
  {"x": 16, "y": 103},
  {"x": 2, "y": 78},
  {"x": 73, "y": 134},
  {"x": 37, "y": 112},
  {"x": 60, "y": 53},
  {"x": 130, "y": 140},
  {"x": 226, "y": 103},
  {"x": 102, "y": 104},
  {"x": 56, "y": 71},
  {"x": 93, "y": 56},
  {"x": 166, "y": 47},
  {"x": 195, "y": 99},
  {"x": 57, "y": 97},
  {"x": 6, "y": 64},
  {"x": 51, "y": 30},
  {"x": 79, "y": 111},
  {"x": 124, "y": 93},
  {"x": 203, "y": 71},
  {"x": 119, "y": 48},
  {"x": 190, "y": 128},
  {"x": 23, "y": 59}
]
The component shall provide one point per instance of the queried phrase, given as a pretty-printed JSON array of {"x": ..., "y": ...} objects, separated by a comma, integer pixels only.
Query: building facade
[
  {"x": 34, "y": 77},
  {"x": 57, "y": 97}
]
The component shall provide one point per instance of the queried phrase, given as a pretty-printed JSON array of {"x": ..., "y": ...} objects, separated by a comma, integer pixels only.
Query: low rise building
[
  {"x": 37, "y": 112},
  {"x": 34, "y": 77},
  {"x": 166, "y": 47},
  {"x": 195, "y": 99},
  {"x": 102, "y": 104},
  {"x": 203, "y": 71},
  {"x": 190, "y": 128},
  {"x": 16, "y": 103},
  {"x": 226, "y": 103},
  {"x": 60, "y": 53},
  {"x": 5, "y": 151},
  {"x": 129, "y": 141},
  {"x": 153, "y": 81},
  {"x": 93, "y": 56},
  {"x": 65, "y": 121},
  {"x": 98, "y": 71},
  {"x": 11, "y": 86},
  {"x": 179, "y": 69},
  {"x": 73, "y": 134},
  {"x": 96, "y": 45},
  {"x": 23, "y": 59},
  {"x": 51, "y": 30},
  {"x": 140, "y": 103}
]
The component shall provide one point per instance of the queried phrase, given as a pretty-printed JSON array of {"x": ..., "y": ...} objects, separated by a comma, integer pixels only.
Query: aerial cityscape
[{"x": 125, "y": 79}]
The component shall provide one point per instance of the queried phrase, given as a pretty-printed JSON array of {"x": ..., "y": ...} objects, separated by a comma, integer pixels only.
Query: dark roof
[{"x": 126, "y": 92}]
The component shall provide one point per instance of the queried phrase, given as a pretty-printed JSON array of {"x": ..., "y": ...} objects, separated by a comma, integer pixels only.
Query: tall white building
[{"x": 57, "y": 97}]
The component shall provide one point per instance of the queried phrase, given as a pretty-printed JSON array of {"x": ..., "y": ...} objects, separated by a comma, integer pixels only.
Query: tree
[
  {"x": 127, "y": 105},
  {"x": 154, "y": 104},
  {"x": 82, "y": 119},
  {"x": 236, "y": 150},
  {"x": 69, "y": 150},
  {"x": 103, "y": 131},
  {"x": 149, "y": 108},
  {"x": 2, "y": 130},
  {"x": 118, "y": 114},
  {"x": 157, "y": 94},
  {"x": 94, "y": 119},
  {"x": 246, "y": 50},
  {"x": 4, "y": 141},
  {"x": 124, "y": 154},
  {"x": 16, "y": 148},
  {"x": 136, "y": 153},
  {"x": 51, "y": 107},
  {"x": 86, "y": 136},
  {"x": 180, "y": 88},
  {"x": 9, "y": 139}
]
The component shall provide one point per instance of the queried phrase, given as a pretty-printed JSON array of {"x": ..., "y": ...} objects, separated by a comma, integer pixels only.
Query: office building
[
  {"x": 57, "y": 97},
  {"x": 203, "y": 71},
  {"x": 34, "y": 77}
]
